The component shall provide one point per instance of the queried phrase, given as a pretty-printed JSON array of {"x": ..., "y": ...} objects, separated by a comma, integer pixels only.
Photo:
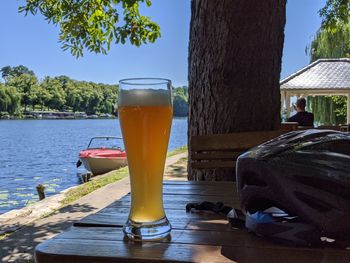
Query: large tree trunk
[{"x": 234, "y": 69}]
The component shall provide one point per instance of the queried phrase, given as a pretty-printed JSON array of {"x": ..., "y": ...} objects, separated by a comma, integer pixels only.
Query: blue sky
[{"x": 32, "y": 42}]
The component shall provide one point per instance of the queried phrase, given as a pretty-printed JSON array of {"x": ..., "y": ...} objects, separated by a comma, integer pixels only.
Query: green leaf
[{"x": 87, "y": 24}]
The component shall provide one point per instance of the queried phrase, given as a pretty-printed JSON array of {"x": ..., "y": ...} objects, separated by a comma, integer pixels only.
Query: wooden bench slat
[
  {"x": 215, "y": 155},
  {"x": 329, "y": 127},
  {"x": 289, "y": 126},
  {"x": 213, "y": 164},
  {"x": 244, "y": 140},
  {"x": 222, "y": 150}
]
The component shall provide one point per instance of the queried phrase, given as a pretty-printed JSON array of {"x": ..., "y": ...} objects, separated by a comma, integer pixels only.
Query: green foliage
[
  {"x": 9, "y": 99},
  {"x": 333, "y": 12},
  {"x": 328, "y": 110},
  {"x": 95, "y": 24},
  {"x": 340, "y": 108},
  {"x": 24, "y": 84},
  {"x": 56, "y": 96},
  {"x": 8, "y": 71},
  {"x": 180, "y": 101},
  {"x": 64, "y": 94},
  {"x": 58, "y": 93},
  {"x": 329, "y": 42},
  {"x": 5, "y": 72}
]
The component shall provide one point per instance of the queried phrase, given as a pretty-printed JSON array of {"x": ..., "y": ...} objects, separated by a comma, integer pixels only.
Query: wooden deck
[{"x": 196, "y": 237}]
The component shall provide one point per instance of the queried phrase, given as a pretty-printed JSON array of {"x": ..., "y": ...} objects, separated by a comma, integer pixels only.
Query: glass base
[{"x": 147, "y": 230}]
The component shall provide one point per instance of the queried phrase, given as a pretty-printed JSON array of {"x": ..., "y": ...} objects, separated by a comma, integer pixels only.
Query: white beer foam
[{"x": 144, "y": 97}]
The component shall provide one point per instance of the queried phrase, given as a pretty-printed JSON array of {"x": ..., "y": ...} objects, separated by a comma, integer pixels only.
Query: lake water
[{"x": 45, "y": 152}]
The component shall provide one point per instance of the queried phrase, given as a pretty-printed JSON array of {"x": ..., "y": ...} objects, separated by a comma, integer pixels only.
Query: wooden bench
[
  {"x": 330, "y": 127},
  {"x": 293, "y": 126},
  {"x": 222, "y": 150},
  {"x": 289, "y": 126},
  {"x": 345, "y": 128}
]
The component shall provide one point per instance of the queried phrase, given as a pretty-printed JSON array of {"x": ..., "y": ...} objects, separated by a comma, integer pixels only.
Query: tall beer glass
[{"x": 145, "y": 115}]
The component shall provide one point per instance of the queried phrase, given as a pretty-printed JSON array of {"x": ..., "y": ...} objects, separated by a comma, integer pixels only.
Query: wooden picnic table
[{"x": 196, "y": 236}]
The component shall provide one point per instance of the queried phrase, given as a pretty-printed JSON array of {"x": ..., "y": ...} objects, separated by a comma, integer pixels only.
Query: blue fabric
[{"x": 261, "y": 217}]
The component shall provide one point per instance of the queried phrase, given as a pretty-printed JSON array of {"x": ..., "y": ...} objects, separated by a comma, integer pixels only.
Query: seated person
[{"x": 302, "y": 117}]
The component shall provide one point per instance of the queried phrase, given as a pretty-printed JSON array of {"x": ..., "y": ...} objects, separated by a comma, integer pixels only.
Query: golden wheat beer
[
  {"x": 146, "y": 132},
  {"x": 145, "y": 116}
]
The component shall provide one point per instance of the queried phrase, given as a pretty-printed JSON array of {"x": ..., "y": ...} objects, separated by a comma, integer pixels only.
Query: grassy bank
[
  {"x": 96, "y": 183},
  {"x": 181, "y": 149}
]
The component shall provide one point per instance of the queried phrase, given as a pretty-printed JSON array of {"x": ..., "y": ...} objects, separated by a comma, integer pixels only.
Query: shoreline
[{"x": 16, "y": 218}]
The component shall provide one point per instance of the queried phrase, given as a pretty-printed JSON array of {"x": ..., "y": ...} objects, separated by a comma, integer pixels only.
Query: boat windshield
[{"x": 106, "y": 142}]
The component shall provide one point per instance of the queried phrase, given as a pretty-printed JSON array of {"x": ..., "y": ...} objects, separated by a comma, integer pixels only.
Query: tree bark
[{"x": 235, "y": 55}]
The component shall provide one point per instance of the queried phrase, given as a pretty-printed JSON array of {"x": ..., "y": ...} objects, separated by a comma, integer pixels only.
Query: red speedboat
[{"x": 101, "y": 159}]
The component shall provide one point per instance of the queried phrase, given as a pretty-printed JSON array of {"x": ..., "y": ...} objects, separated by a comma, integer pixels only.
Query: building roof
[{"x": 323, "y": 74}]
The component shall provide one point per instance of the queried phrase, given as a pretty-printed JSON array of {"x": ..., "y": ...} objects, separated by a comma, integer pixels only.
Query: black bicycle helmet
[{"x": 305, "y": 177}]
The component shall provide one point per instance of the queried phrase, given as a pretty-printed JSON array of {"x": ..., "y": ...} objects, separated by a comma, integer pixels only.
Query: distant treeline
[{"x": 22, "y": 91}]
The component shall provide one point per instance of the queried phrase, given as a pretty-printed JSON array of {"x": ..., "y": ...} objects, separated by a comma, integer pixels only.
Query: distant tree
[
  {"x": 5, "y": 72},
  {"x": 8, "y": 71},
  {"x": 57, "y": 95},
  {"x": 94, "y": 100},
  {"x": 333, "y": 12},
  {"x": 39, "y": 96},
  {"x": 64, "y": 80},
  {"x": 90, "y": 97},
  {"x": 34, "y": 96},
  {"x": 19, "y": 70},
  {"x": 330, "y": 43},
  {"x": 9, "y": 99},
  {"x": 74, "y": 98},
  {"x": 180, "y": 101},
  {"x": 4, "y": 99},
  {"x": 15, "y": 98},
  {"x": 24, "y": 83},
  {"x": 60, "y": 93},
  {"x": 108, "y": 98}
]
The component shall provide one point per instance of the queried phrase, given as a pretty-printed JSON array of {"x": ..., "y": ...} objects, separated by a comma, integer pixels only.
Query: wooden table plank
[
  {"x": 205, "y": 192},
  {"x": 178, "y": 219},
  {"x": 196, "y": 183},
  {"x": 85, "y": 250},
  {"x": 180, "y": 201},
  {"x": 82, "y": 250},
  {"x": 177, "y": 236},
  {"x": 226, "y": 190}
]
